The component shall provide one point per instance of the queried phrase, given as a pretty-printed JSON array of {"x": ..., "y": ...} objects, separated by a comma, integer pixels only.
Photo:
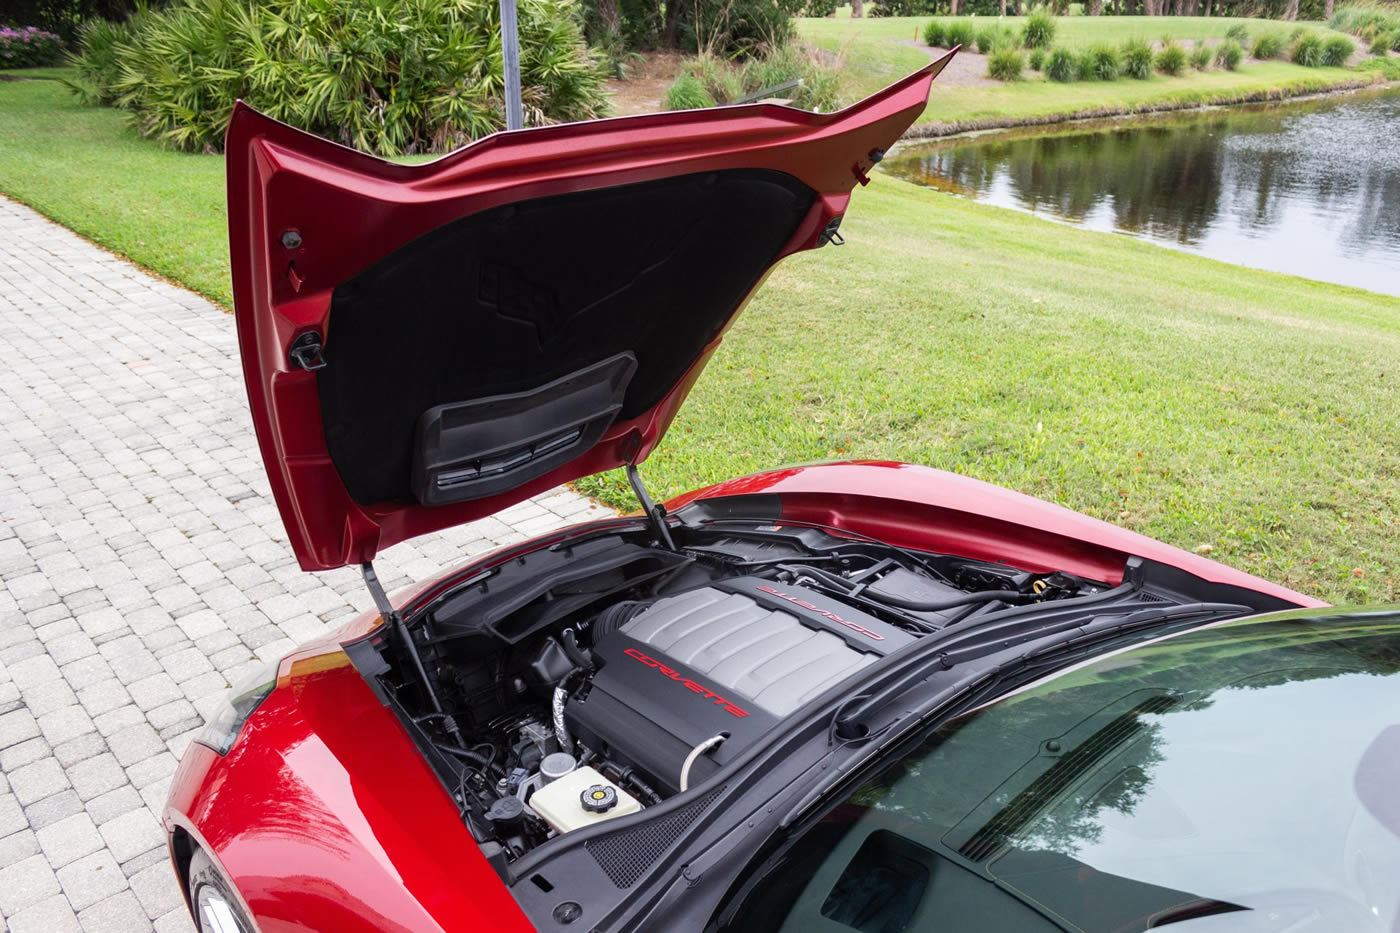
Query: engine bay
[{"x": 583, "y": 681}]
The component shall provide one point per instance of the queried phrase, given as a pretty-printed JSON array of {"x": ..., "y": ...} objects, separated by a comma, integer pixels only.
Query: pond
[{"x": 1310, "y": 188}]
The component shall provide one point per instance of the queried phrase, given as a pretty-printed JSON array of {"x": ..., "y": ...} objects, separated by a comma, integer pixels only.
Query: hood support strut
[
  {"x": 656, "y": 514},
  {"x": 395, "y": 621}
]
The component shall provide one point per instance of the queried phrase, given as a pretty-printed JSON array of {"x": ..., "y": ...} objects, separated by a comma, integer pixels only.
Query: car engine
[{"x": 577, "y": 683}]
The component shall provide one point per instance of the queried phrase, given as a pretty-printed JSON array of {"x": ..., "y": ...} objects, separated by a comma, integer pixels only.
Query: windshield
[{"x": 1243, "y": 777}]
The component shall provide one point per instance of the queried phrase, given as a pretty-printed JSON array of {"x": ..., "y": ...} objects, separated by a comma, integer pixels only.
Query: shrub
[
  {"x": 1037, "y": 59},
  {"x": 1137, "y": 59},
  {"x": 1061, "y": 66},
  {"x": 1336, "y": 51},
  {"x": 1005, "y": 63},
  {"x": 990, "y": 38},
  {"x": 1358, "y": 16},
  {"x": 29, "y": 47},
  {"x": 1307, "y": 51},
  {"x": 720, "y": 79},
  {"x": 395, "y": 76},
  {"x": 935, "y": 35},
  {"x": 1201, "y": 56},
  {"x": 1172, "y": 59},
  {"x": 820, "y": 7},
  {"x": 818, "y": 90},
  {"x": 1228, "y": 55},
  {"x": 688, "y": 93},
  {"x": 1238, "y": 32},
  {"x": 1100, "y": 62},
  {"x": 1039, "y": 31},
  {"x": 1269, "y": 45},
  {"x": 1381, "y": 43},
  {"x": 959, "y": 32}
]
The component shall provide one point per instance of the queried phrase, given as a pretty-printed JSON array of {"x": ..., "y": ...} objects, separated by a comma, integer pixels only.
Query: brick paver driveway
[{"x": 143, "y": 566}]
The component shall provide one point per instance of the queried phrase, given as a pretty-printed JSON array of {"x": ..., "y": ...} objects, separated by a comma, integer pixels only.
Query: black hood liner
[{"x": 518, "y": 296}]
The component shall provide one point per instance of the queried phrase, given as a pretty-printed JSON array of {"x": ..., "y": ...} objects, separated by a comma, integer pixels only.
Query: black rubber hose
[
  {"x": 953, "y": 602},
  {"x": 576, "y": 654},
  {"x": 915, "y": 605},
  {"x": 481, "y": 761}
]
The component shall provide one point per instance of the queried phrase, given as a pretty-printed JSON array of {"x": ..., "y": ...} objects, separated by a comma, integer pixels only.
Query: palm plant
[{"x": 385, "y": 76}]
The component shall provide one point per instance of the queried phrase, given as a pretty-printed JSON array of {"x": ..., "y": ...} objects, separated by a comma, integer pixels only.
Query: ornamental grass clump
[
  {"x": 935, "y": 35},
  {"x": 1336, "y": 51},
  {"x": 792, "y": 62},
  {"x": 1100, "y": 62},
  {"x": 1229, "y": 55},
  {"x": 1238, "y": 32},
  {"x": 990, "y": 38},
  {"x": 390, "y": 77},
  {"x": 1268, "y": 46},
  {"x": 959, "y": 32},
  {"x": 29, "y": 47},
  {"x": 688, "y": 93},
  {"x": 1201, "y": 56},
  {"x": 1382, "y": 41},
  {"x": 1307, "y": 51},
  {"x": 1036, "y": 59},
  {"x": 1005, "y": 63},
  {"x": 1039, "y": 30},
  {"x": 1137, "y": 59},
  {"x": 1171, "y": 60},
  {"x": 1062, "y": 66}
]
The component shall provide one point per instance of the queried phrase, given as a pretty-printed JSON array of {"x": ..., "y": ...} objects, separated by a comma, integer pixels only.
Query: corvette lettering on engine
[
  {"x": 689, "y": 684},
  {"x": 826, "y": 613}
]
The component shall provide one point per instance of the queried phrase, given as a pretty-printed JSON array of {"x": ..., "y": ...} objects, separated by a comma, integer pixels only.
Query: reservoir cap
[{"x": 600, "y": 798}]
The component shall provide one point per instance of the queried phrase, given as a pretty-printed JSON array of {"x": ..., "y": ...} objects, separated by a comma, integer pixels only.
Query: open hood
[{"x": 424, "y": 345}]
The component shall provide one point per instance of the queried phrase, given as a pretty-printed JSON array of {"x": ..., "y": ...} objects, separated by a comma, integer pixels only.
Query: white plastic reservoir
[{"x": 581, "y": 798}]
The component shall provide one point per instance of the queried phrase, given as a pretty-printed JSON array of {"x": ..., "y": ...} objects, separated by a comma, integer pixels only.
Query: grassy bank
[
  {"x": 85, "y": 169},
  {"x": 1194, "y": 401},
  {"x": 874, "y": 52}
]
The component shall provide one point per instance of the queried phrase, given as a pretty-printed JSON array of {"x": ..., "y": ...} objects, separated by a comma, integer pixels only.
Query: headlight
[{"x": 223, "y": 727}]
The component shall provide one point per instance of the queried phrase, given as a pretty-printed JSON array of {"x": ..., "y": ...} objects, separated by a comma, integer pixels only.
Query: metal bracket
[
  {"x": 832, "y": 233},
  {"x": 305, "y": 352}
]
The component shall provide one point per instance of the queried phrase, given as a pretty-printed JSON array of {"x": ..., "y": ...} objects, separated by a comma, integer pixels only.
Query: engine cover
[{"x": 733, "y": 657}]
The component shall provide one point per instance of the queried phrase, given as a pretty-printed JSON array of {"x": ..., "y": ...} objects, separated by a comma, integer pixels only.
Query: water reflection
[{"x": 1308, "y": 188}]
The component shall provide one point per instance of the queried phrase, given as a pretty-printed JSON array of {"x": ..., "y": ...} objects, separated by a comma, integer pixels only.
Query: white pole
[{"x": 510, "y": 54}]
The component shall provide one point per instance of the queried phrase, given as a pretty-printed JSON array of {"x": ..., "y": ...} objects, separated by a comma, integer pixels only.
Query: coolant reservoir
[{"x": 581, "y": 798}]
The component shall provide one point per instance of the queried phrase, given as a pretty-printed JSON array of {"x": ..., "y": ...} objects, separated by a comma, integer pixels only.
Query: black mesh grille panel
[{"x": 626, "y": 856}]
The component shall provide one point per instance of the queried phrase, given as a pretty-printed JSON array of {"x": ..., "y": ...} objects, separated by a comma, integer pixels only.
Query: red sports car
[{"x": 847, "y": 697}]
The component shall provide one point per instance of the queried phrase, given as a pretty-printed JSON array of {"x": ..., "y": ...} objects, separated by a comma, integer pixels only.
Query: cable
[{"x": 709, "y": 745}]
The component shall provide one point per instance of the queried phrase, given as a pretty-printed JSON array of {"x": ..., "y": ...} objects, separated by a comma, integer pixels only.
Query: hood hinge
[
  {"x": 396, "y": 622},
  {"x": 656, "y": 514}
]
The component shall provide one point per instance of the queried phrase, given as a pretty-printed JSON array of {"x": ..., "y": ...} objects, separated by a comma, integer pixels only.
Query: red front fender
[{"x": 325, "y": 817}]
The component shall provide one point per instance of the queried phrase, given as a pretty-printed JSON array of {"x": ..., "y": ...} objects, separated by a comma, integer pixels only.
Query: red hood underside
[{"x": 425, "y": 345}]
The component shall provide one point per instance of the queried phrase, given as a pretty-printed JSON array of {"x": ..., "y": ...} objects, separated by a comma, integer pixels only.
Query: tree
[
  {"x": 858, "y": 8},
  {"x": 1291, "y": 10}
]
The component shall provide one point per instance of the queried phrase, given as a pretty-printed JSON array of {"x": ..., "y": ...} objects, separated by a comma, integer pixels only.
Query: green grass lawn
[
  {"x": 1197, "y": 402},
  {"x": 874, "y": 52},
  {"x": 85, "y": 169}
]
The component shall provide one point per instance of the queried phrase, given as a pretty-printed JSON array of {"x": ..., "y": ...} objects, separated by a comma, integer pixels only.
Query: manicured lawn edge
[{"x": 1189, "y": 101}]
